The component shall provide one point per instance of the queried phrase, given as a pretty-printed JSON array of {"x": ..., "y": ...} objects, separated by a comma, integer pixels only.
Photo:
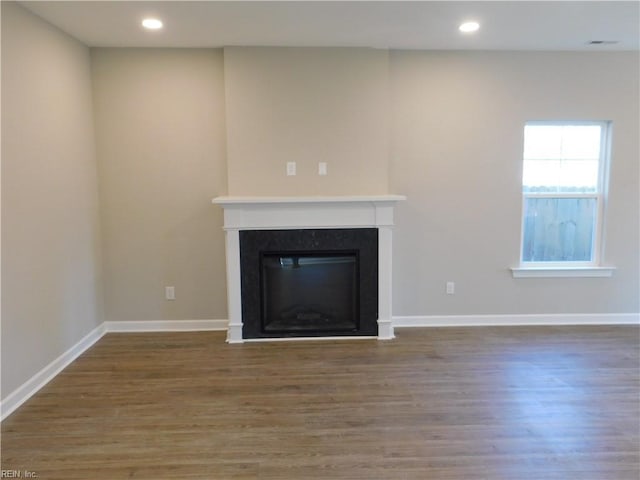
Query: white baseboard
[
  {"x": 44, "y": 376},
  {"x": 533, "y": 319},
  {"x": 166, "y": 326}
]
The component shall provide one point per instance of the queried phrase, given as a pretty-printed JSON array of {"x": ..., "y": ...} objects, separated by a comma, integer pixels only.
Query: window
[{"x": 563, "y": 185}]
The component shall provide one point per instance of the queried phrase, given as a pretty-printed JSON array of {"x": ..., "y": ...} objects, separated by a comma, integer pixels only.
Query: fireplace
[
  {"x": 288, "y": 244},
  {"x": 309, "y": 282}
]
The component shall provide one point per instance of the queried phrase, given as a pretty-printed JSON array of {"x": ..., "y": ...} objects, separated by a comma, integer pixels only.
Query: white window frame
[{"x": 593, "y": 268}]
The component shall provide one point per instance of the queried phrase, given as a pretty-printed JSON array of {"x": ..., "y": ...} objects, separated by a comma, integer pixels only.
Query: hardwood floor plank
[{"x": 443, "y": 403}]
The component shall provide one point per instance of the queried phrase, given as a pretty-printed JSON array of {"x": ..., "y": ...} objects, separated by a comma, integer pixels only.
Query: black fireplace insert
[{"x": 308, "y": 283}]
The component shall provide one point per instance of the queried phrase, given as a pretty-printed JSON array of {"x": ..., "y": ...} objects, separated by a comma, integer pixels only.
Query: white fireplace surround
[{"x": 281, "y": 213}]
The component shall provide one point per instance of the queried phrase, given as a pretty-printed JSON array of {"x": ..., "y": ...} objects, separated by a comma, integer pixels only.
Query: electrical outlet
[
  {"x": 170, "y": 293},
  {"x": 451, "y": 288},
  {"x": 322, "y": 168},
  {"x": 291, "y": 168}
]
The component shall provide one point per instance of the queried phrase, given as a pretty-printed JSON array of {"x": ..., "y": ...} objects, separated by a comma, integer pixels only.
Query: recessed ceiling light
[
  {"x": 152, "y": 23},
  {"x": 469, "y": 27}
]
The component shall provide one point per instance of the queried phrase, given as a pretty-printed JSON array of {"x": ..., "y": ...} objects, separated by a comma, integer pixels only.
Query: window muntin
[{"x": 563, "y": 187}]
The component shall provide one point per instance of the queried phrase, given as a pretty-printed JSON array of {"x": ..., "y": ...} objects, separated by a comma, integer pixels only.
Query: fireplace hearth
[{"x": 309, "y": 282}]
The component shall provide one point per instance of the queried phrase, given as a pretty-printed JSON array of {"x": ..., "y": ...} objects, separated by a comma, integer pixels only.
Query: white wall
[
  {"x": 307, "y": 105},
  {"x": 51, "y": 275},
  {"x": 453, "y": 145},
  {"x": 458, "y": 140},
  {"x": 160, "y": 127}
]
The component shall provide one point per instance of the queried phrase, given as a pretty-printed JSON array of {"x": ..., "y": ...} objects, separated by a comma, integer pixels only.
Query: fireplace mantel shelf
[
  {"x": 307, "y": 212},
  {"x": 245, "y": 200}
]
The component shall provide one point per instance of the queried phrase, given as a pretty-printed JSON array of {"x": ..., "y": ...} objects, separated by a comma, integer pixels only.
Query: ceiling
[{"x": 430, "y": 25}]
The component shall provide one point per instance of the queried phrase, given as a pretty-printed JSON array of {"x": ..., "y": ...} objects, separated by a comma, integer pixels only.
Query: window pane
[
  {"x": 541, "y": 176},
  {"x": 543, "y": 141},
  {"x": 558, "y": 229},
  {"x": 562, "y": 141},
  {"x": 578, "y": 176},
  {"x": 561, "y": 158},
  {"x": 581, "y": 142},
  {"x": 568, "y": 176}
]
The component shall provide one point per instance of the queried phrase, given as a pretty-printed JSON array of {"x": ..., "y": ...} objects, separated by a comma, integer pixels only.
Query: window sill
[{"x": 561, "y": 272}]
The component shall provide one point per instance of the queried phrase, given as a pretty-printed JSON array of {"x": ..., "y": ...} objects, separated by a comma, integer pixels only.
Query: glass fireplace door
[{"x": 309, "y": 292}]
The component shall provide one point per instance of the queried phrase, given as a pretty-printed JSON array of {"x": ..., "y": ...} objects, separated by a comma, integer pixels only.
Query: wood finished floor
[{"x": 512, "y": 403}]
